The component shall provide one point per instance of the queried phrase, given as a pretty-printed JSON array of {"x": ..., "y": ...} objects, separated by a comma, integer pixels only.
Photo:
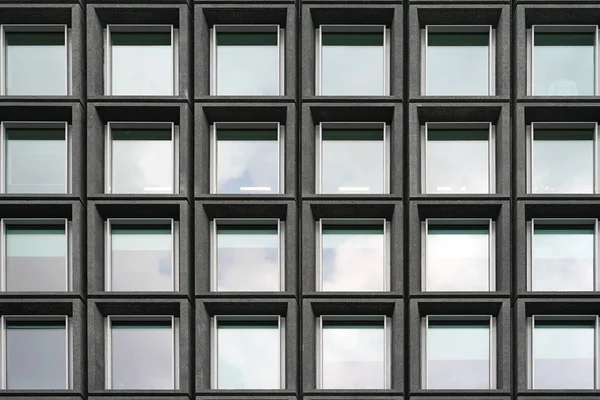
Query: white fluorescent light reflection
[
  {"x": 261, "y": 188},
  {"x": 353, "y": 188}
]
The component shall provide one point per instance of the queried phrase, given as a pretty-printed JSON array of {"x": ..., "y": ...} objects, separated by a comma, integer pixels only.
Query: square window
[
  {"x": 353, "y": 255},
  {"x": 142, "y": 158},
  {"x": 248, "y": 353},
  {"x": 247, "y": 255},
  {"x": 141, "y": 60},
  {"x": 142, "y": 353},
  {"x": 36, "y": 60},
  {"x": 459, "y": 353},
  {"x": 247, "y": 158},
  {"x": 247, "y": 60},
  {"x": 352, "y": 158},
  {"x": 459, "y": 60},
  {"x": 352, "y": 60},
  {"x": 458, "y": 255},
  {"x": 563, "y": 60},
  {"x": 459, "y": 158},
  {"x": 142, "y": 255}
]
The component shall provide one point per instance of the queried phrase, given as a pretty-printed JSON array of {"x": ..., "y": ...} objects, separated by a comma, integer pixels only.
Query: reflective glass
[
  {"x": 563, "y": 161},
  {"x": 458, "y": 64},
  {"x": 36, "y": 63},
  {"x": 563, "y": 355},
  {"x": 247, "y": 161},
  {"x": 352, "y": 161},
  {"x": 457, "y": 258},
  {"x": 352, "y": 63},
  {"x": 36, "y": 355},
  {"x": 353, "y": 257},
  {"x": 247, "y": 64},
  {"x": 248, "y": 355},
  {"x": 248, "y": 258},
  {"x": 563, "y": 64}
]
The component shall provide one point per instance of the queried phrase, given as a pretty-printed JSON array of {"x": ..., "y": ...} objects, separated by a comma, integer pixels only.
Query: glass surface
[
  {"x": 248, "y": 355},
  {"x": 142, "y": 258},
  {"x": 36, "y": 355},
  {"x": 142, "y": 161},
  {"x": 36, "y": 258},
  {"x": 353, "y": 258},
  {"x": 353, "y": 355},
  {"x": 142, "y": 355},
  {"x": 247, "y": 64},
  {"x": 458, "y": 64},
  {"x": 458, "y": 161},
  {"x": 563, "y": 355},
  {"x": 352, "y": 161},
  {"x": 352, "y": 63},
  {"x": 247, "y": 161},
  {"x": 36, "y": 63},
  {"x": 563, "y": 258},
  {"x": 36, "y": 161},
  {"x": 563, "y": 64},
  {"x": 248, "y": 258},
  {"x": 563, "y": 161},
  {"x": 142, "y": 63},
  {"x": 457, "y": 258},
  {"x": 458, "y": 355}
]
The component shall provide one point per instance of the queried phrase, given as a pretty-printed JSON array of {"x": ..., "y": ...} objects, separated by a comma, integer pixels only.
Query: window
[
  {"x": 36, "y": 60},
  {"x": 352, "y": 60},
  {"x": 352, "y": 158},
  {"x": 353, "y": 352},
  {"x": 458, "y": 255},
  {"x": 247, "y": 60},
  {"x": 353, "y": 255},
  {"x": 36, "y": 353},
  {"x": 459, "y": 158},
  {"x": 459, "y": 352},
  {"x": 562, "y": 158},
  {"x": 36, "y": 255},
  {"x": 142, "y": 158},
  {"x": 248, "y": 352},
  {"x": 142, "y": 352},
  {"x": 459, "y": 60},
  {"x": 247, "y": 158},
  {"x": 563, "y": 60},
  {"x": 142, "y": 255},
  {"x": 36, "y": 157},
  {"x": 141, "y": 60},
  {"x": 247, "y": 255}
]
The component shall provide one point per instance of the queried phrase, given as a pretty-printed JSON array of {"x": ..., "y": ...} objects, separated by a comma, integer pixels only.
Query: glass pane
[
  {"x": 142, "y": 355},
  {"x": 563, "y": 64},
  {"x": 352, "y": 161},
  {"x": 457, "y": 258},
  {"x": 353, "y": 258},
  {"x": 142, "y": 161},
  {"x": 36, "y": 63},
  {"x": 563, "y": 161},
  {"x": 248, "y": 355},
  {"x": 247, "y": 161},
  {"x": 36, "y": 161},
  {"x": 36, "y": 355},
  {"x": 352, "y": 64},
  {"x": 458, "y": 161},
  {"x": 36, "y": 258},
  {"x": 563, "y": 355},
  {"x": 563, "y": 258},
  {"x": 353, "y": 355},
  {"x": 142, "y": 63},
  {"x": 458, "y": 64},
  {"x": 142, "y": 258},
  {"x": 247, "y": 64},
  {"x": 248, "y": 258}
]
